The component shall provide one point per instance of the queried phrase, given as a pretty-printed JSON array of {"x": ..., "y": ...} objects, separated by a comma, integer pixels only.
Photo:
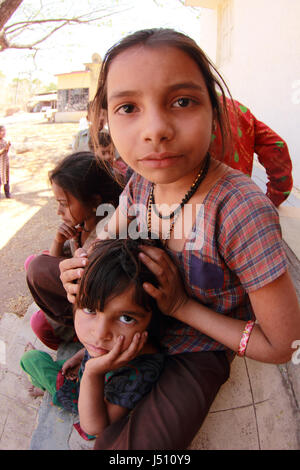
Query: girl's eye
[
  {"x": 126, "y": 109},
  {"x": 127, "y": 319},
  {"x": 88, "y": 311},
  {"x": 182, "y": 102}
]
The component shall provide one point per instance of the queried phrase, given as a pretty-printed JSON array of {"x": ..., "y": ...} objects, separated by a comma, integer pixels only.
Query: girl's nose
[
  {"x": 102, "y": 330},
  {"x": 157, "y": 126}
]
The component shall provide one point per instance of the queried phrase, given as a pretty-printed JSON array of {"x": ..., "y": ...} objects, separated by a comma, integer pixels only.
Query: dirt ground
[{"x": 28, "y": 219}]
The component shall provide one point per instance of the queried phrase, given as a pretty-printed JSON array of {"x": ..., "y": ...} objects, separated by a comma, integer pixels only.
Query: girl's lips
[
  {"x": 97, "y": 350},
  {"x": 163, "y": 160}
]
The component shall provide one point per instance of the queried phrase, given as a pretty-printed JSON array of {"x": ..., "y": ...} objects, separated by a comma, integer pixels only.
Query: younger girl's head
[
  {"x": 80, "y": 184},
  {"x": 166, "y": 103},
  {"x": 111, "y": 299},
  {"x": 105, "y": 149}
]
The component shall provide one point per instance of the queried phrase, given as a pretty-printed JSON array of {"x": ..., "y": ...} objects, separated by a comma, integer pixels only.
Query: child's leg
[
  {"x": 44, "y": 330},
  {"x": 43, "y": 279},
  {"x": 171, "y": 414},
  {"x": 28, "y": 261},
  {"x": 41, "y": 368}
]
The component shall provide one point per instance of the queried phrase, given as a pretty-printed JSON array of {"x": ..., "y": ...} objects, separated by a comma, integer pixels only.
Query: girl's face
[
  {"x": 71, "y": 210},
  {"x": 2, "y": 133},
  {"x": 159, "y": 112},
  {"x": 99, "y": 331}
]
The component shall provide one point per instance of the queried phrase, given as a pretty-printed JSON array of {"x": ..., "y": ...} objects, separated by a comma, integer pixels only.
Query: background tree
[{"x": 27, "y": 25}]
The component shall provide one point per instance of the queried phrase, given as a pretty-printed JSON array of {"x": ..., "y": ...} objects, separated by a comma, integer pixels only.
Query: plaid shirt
[
  {"x": 241, "y": 252},
  {"x": 250, "y": 137}
]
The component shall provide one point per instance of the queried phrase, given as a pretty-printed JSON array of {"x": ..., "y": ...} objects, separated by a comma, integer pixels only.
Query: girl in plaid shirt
[{"x": 223, "y": 265}]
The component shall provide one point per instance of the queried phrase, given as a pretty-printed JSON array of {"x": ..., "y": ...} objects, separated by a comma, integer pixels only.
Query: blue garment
[{"x": 125, "y": 386}]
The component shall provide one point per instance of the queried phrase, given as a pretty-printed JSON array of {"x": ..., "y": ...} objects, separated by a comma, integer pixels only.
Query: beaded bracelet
[{"x": 245, "y": 337}]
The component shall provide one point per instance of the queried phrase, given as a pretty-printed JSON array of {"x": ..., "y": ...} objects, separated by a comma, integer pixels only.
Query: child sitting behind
[
  {"x": 79, "y": 184},
  {"x": 118, "y": 324}
]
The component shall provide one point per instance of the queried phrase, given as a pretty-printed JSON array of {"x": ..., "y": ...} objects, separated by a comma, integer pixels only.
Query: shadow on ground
[{"x": 36, "y": 235}]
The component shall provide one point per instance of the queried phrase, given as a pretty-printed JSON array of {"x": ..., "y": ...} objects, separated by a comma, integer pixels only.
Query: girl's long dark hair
[
  {"x": 85, "y": 178},
  {"x": 114, "y": 266},
  {"x": 165, "y": 37}
]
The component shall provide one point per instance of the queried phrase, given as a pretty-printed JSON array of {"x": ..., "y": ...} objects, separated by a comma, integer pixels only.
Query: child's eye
[
  {"x": 126, "y": 109},
  {"x": 127, "y": 319},
  {"x": 88, "y": 311},
  {"x": 182, "y": 102}
]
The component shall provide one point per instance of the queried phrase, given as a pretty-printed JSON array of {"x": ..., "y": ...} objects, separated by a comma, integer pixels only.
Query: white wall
[
  {"x": 208, "y": 33},
  {"x": 264, "y": 69},
  {"x": 69, "y": 116}
]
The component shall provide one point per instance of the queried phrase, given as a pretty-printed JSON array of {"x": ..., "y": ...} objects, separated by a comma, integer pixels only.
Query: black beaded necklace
[
  {"x": 198, "y": 180},
  {"x": 151, "y": 203}
]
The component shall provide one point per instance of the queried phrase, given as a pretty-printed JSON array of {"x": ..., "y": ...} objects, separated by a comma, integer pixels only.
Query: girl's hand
[
  {"x": 116, "y": 358},
  {"x": 71, "y": 367},
  {"x": 65, "y": 232},
  {"x": 71, "y": 270},
  {"x": 170, "y": 295}
]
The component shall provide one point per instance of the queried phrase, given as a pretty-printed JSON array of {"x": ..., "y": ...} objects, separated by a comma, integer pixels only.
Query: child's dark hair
[
  {"x": 85, "y": 178},
  {"x": 114, "y": 266},
  {"x": 164, "y": 37}
]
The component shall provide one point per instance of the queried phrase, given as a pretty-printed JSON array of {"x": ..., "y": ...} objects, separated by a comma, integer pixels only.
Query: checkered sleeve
[{"x": 250, "y": 239}]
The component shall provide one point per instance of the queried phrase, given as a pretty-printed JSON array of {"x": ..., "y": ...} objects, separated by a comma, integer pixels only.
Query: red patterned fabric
[{"x": 250, "y": 137}]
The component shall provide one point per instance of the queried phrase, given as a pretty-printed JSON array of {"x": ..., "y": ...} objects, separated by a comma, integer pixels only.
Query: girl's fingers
[
  {"x": 71, "y": 269},
  {"x": 71, "y": 298},
  {"x": 116, "y": 350},
  {"x": 69, "y": 231},
  {"x": 151, "y": 290},
  {"x": 137, "y": 343},
  {"x": 159, "y": 257},
  {"x": 71, "y": 275},
  {"x": 80, "y": 253},
  {"x": 158, "y": 269},
  {"x": 71, "y": 288}
]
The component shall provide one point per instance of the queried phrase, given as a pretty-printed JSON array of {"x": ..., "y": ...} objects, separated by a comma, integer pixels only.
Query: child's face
[
  {"x": 160, "y": 114},
  {"x": 98, "y": 331},
  {"x": 71, "y": 210},
  {"x": 2, "y": 133},
  {"x": 107, "y": 153}
]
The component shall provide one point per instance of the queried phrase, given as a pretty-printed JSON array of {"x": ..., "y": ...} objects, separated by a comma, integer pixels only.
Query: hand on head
[
  {"x": 170, "y": 295},
  {"x": 71, "y": 270}
]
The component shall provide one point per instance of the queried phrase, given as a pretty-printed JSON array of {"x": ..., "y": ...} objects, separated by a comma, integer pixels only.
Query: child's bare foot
[
  {"x": 35, "y": 391},
  {"x": 29, "y": 346},
  {"x": 32, "y": 390}
]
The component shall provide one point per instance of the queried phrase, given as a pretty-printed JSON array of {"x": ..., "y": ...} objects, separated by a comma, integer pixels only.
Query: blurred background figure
[{"x": 4, "y": 162}]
